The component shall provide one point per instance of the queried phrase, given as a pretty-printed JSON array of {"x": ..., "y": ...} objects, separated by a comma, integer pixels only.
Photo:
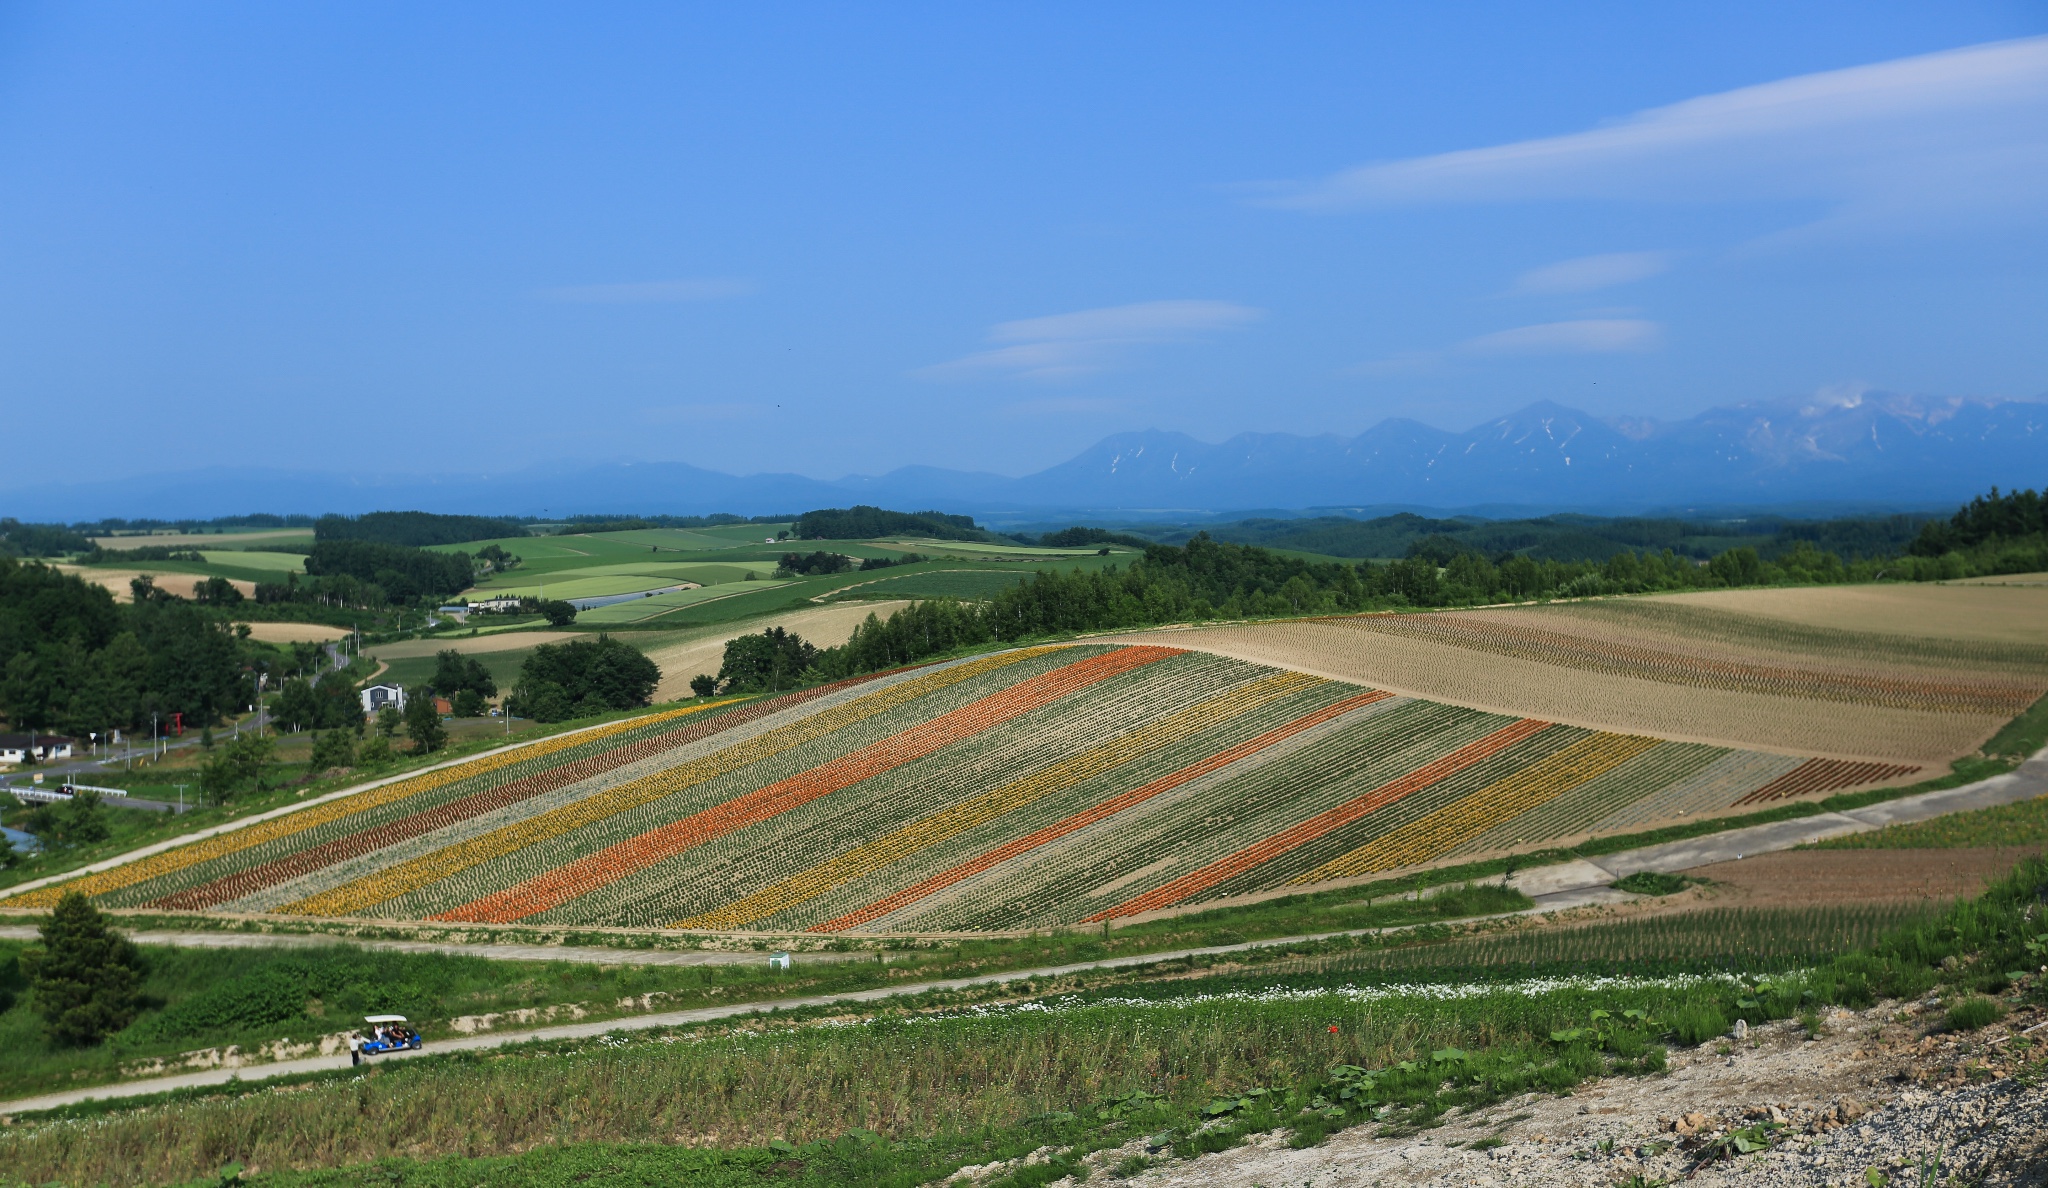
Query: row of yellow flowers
[
  {"x": 956, "y": 819},
  {"x": 255, "y": 835},
  {"x": 1443, "y": 830},
  {"x": 354, "y": 897}
]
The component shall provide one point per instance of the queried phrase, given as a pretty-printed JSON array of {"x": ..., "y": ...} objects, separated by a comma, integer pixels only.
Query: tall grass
[
  {"x": 1733, "y": 940},
  {"x": 2022, "y": 824},
  {"x": 983, "y": 1077}
]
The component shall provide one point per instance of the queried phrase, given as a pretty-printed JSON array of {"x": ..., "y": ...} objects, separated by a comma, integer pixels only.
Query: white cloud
[
  {"x": 1586, "y": 273},
  {"x": 1065, "y": 345},
  {"x": 1587, "y": 336},
  {"x": 1939, "y": 133},
  {"x": 700, "y": 289}
]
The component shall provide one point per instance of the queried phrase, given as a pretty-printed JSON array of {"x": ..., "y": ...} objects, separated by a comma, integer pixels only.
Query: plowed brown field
[
  {"x": 1744, "y": 670},
  {"x": 1989, "y": 613},
  {"x": 1804, "y": 877}
]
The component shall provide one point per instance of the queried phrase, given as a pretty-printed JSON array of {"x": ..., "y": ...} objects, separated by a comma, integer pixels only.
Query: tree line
[
  {"x": 1207, "y": 579},
  {"x": 414, "y": 529},
  {"x": 862, "y": 521},
  {"x": 74, "y": 660}
]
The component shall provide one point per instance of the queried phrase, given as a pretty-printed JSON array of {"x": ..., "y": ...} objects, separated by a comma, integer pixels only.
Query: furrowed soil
[
  {"x": 1914, "y": 674},
  {"x": 1994, "y": 613},
  {"x": 1794, "y": 878}
]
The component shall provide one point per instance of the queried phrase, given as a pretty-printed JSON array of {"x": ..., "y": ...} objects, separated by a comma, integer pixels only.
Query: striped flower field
[{"x": 1035, "y": 787}]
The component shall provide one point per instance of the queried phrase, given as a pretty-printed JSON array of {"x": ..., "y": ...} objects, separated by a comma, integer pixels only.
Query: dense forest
[
  {"x": 39, "y": 540},
  {"x": 861, "y": 521},
  {"x": 74, "y": 660},
  {"x": 359, "y": 573},
  {"x": 414, "y": 529}
]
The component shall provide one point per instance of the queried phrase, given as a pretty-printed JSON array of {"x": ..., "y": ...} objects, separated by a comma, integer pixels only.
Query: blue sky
[{"x": 837, "y": 238}]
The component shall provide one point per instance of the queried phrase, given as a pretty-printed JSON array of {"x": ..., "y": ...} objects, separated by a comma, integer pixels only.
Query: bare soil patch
[
  {"x": 1807, "y": 877},
  {"x": 117, "y": 580},
  {"x": 1997, "y": 613},
  {"x": 1345, "y": 650},
  {"x": 293, "y": 632}
]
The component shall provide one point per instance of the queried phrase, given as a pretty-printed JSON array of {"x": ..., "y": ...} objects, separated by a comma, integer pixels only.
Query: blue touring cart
[{"x": 388, "y": 1033}]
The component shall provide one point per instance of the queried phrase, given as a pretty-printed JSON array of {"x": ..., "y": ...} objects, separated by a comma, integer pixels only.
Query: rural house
[
  {"x": 19, "y": 748},
  {"x": 504, "y": 604},
  {"x": 376, "y": 697}
]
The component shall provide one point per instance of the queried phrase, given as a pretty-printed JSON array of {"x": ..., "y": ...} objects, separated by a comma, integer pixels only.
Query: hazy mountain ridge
[{"x": 1875, "y": 448}]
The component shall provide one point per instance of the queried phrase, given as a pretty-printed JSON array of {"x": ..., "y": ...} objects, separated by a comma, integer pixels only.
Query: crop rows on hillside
[
  {"x": 1023, "y": 789},
  {"x": 1948, "y": 694}
]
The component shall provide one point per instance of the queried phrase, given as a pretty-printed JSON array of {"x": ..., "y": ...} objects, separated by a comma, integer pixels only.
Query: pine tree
[{"x": 84, "y": 976}]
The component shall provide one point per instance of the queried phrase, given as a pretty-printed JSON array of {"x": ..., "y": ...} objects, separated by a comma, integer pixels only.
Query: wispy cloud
[
  {"x": 1941, "y": 132},
  {"x": 1062, "y": 346},
  {"x": 636, "y": 292},
  {"x": 1587, "y": 273},
  {"x": 1586, "y": 336}
]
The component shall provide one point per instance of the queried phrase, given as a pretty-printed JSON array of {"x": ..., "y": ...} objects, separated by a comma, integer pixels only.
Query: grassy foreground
[
  {"x": 257, "y": 997},
  {"x": 904, "y": 1098}
]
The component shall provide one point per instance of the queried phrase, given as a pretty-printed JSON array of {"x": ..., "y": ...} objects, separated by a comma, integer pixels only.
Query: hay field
[
  {"x": 293, "y": 632},
  {"x": 1043, "y": 786},
  {"x": 117, "y": 580},
  {"x": 661, "y": 604},
  {"x": 827, "y": 627},
  {"x": 1679, "y": 669},
  {"x": 278, "y": 538},
  {"x": 469, "y": 645},
  {"x": 2003, "y": 613}
]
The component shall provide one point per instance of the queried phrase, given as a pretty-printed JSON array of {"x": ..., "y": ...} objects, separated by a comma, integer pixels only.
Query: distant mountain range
[{"x": 1873, "y": 451}]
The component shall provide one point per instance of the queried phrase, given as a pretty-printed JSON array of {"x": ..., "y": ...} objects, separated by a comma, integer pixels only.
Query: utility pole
[{"x": 181, "y": 799}]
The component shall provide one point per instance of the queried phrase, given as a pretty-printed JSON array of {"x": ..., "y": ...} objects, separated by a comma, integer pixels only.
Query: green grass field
[
  {"x": 2022, "y": 824},
  {"x": 936, "y": 582},
  {"x": 276, "y": 564}
]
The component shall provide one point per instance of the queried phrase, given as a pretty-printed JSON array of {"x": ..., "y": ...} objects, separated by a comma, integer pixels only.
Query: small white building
[
  {"x": 19, "y": 748},
  {"x": 376, "y": 697},
  {"x": 504, "y": 604}
]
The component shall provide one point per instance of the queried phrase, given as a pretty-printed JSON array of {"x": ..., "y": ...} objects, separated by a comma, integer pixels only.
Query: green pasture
[
  {"x": 934, "y": 582},
  {"x": 410, "y": 671},
  {"x": 273, "y": 563},
  {"x": 661, "y": 604}
]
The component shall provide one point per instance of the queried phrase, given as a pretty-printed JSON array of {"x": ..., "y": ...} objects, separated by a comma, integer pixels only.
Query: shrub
[
  {"x": 1651, "y": 882},
  {"x": 1974, "y": 1012},
  {"x": 1698, "y": 1022}
]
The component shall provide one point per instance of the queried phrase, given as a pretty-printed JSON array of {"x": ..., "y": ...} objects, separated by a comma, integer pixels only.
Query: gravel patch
[{"x": 1882, "y": 1091}]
